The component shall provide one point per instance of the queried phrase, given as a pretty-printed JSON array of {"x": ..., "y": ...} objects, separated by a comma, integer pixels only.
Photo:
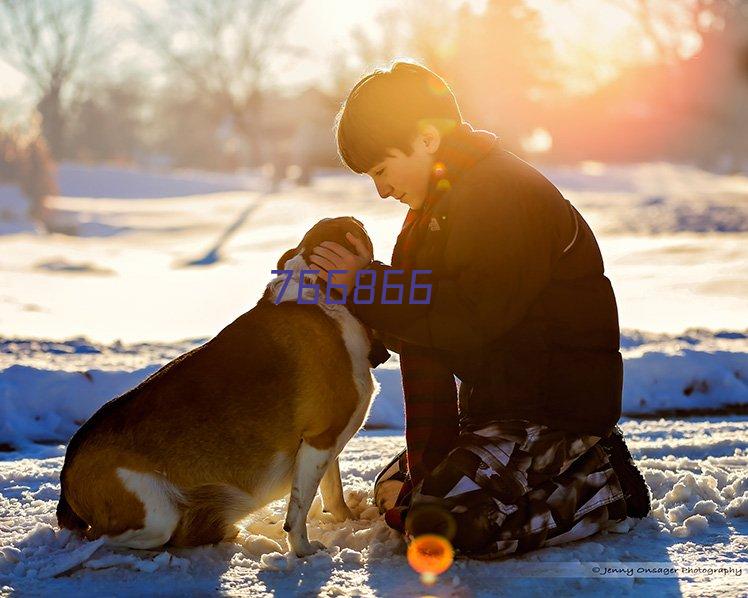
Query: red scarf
[{"x": 459, "y": 150}]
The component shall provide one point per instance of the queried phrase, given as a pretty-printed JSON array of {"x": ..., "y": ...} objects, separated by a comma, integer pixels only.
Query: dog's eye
[{"x": 379, "y": 172}]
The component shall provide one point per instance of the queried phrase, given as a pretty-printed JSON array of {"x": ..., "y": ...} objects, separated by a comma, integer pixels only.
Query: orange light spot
[
  {"x": 437, "y": 87},
  {"x": 443, "y": 185},
  {"x": 430, "y": 555}
]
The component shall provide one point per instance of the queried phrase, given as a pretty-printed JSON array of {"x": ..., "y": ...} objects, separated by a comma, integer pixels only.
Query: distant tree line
[{"x": 196, "y": 89}]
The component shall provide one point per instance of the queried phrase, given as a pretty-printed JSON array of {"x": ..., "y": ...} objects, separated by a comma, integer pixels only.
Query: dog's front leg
[
  {"x": 332, "y": 493},
  {"x": 309, "y": 467}
]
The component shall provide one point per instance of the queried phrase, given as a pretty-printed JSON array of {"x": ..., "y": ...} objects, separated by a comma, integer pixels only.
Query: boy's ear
[{"x": 430, "y": 138}]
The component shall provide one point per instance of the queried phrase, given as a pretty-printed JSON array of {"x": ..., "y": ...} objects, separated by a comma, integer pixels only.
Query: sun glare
[{"x": 591, "y": 42}]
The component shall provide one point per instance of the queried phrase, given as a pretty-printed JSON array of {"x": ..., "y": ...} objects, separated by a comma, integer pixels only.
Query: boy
[{"x": 528, "y": 454}]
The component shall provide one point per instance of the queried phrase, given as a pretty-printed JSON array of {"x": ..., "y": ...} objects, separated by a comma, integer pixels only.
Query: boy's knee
[
  {"x": 389, "y": 482},
  {"x": 386, "y": 493}
]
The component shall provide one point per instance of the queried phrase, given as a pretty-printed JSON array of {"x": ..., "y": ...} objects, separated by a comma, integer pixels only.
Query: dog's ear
[
  {"x": 360, "y": 232},
  {"x": 361, "y": 235},
  {"x": 287, "y": 256}
]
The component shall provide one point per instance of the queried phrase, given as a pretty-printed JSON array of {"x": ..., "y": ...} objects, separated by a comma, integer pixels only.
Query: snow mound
[
  {"x": 47, "y": 389},
  {"x": 691, "y": 495},
  {"x": 65, "y": 266},
  {"x": 77, "y": 180},
  {"x": 655, "y": 215},
  {"x": 14, "y": 207},
  {"x": 696, "y": 371},
  {"x": 49, "y": 405},
  {"x": 654, "y": 198}
]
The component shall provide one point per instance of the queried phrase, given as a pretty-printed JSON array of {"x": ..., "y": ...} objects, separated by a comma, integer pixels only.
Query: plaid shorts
[{"x": 511, "y": 486}]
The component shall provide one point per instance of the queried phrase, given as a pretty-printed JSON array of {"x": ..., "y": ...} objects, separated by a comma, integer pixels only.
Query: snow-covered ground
[
  {"x": 673, "y": 239},
  {"x": 161, "y": 262},
  {"x": 696, "y": 469}
]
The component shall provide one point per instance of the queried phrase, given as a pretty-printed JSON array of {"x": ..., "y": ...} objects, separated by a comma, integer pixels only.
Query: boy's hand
[{"x": 328, "y": 255}]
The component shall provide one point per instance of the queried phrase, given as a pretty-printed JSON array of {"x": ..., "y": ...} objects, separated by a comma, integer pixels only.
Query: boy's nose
[{"x": 383, "y": 190}]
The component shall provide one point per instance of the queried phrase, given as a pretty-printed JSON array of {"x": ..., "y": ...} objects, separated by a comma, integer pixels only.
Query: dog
[{"x": 262, "y": 409}]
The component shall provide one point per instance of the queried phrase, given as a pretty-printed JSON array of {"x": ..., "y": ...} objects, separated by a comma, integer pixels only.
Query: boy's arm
[
  {"x": 390, "y": 319},
  {"x": 504, "y": 257}
]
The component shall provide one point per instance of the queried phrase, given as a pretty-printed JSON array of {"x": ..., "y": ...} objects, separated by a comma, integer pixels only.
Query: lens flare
[
  {"x": 430, "y": 555},
  {"x": 443, "y": 185},
  {"x": 436, "y": 87}
]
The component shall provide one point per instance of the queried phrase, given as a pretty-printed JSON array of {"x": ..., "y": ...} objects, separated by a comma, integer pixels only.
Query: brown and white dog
[{"x": 262, "y": 409}]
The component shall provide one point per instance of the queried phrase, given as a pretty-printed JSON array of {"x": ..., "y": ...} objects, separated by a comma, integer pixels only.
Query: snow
[
  {"x": 161, "y": 262},
  {"x": 127, "y": 275},
  {"x": 695, "y": 370},
  {"x": 77, "y": 180},
  {"x": 47, "y": 388},
  {"x": 696, "y": 469}
]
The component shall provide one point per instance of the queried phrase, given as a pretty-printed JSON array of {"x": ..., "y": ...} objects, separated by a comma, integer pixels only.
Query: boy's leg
[
  {"x": 431, "y": 423},
  {"x": 431, "y": 413},
  {"x": 513, "y": 486}
]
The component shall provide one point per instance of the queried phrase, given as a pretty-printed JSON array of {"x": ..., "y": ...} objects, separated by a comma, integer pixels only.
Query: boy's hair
[{"x": 387, "y": 108}]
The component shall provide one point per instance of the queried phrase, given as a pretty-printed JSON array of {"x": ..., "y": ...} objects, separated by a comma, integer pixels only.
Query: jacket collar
[{"x": 459, "y": 151}]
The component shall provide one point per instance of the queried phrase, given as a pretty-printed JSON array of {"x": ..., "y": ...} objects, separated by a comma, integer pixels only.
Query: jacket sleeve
[
  {"x": 392, "y": 319},
  {"x": 502, "y": 247}
]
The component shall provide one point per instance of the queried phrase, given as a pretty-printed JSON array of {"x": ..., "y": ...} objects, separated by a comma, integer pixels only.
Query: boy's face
[{"x": 406, "y": 177}]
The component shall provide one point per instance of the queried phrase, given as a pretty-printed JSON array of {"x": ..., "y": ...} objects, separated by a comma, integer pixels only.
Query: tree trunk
[{"x": 53, "y": 125}]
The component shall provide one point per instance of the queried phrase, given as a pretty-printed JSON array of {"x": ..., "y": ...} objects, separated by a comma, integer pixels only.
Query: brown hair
[{"x": 387, "y": 108}]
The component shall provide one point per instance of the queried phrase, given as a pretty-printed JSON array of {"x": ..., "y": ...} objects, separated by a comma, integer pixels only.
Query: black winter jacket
[{"x": 520, "y": 305}]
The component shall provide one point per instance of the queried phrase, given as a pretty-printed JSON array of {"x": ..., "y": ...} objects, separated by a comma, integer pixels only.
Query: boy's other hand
[{"x": 328, "y": 255}]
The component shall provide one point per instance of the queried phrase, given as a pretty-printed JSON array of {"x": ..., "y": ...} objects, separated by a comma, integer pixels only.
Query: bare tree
[
  {"x": 432, "y": 33},
  {"x": 422, "y": 29},
  {"x": 707, "y": 84},
  {"x": 496, "y": 60},
  {"x": 221, "y": 49},
  {"x": 46, "y": 41},
  {"x": 664, "y": 24},
  {"x": 25, "y": 161}
]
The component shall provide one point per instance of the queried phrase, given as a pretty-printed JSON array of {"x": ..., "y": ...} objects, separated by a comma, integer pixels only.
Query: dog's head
[
  {"x": 298, "y": 258},
  {"x": 328, "y": 229}
]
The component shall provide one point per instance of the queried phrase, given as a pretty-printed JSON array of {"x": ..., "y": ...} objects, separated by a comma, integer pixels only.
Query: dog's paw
[
  {"x": 339, "y": 511},
  {"x": 309, "y": 548}
]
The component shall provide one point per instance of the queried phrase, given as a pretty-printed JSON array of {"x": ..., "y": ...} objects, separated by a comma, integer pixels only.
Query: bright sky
[
  {"x": 592, "y": 39},
  {"x": 586, "y": 36}
]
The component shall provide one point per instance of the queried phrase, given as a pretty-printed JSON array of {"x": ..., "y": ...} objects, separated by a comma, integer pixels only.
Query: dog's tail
[
  {"x": 67, "y": 518},
  {"x": 209, "y": 513}
]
